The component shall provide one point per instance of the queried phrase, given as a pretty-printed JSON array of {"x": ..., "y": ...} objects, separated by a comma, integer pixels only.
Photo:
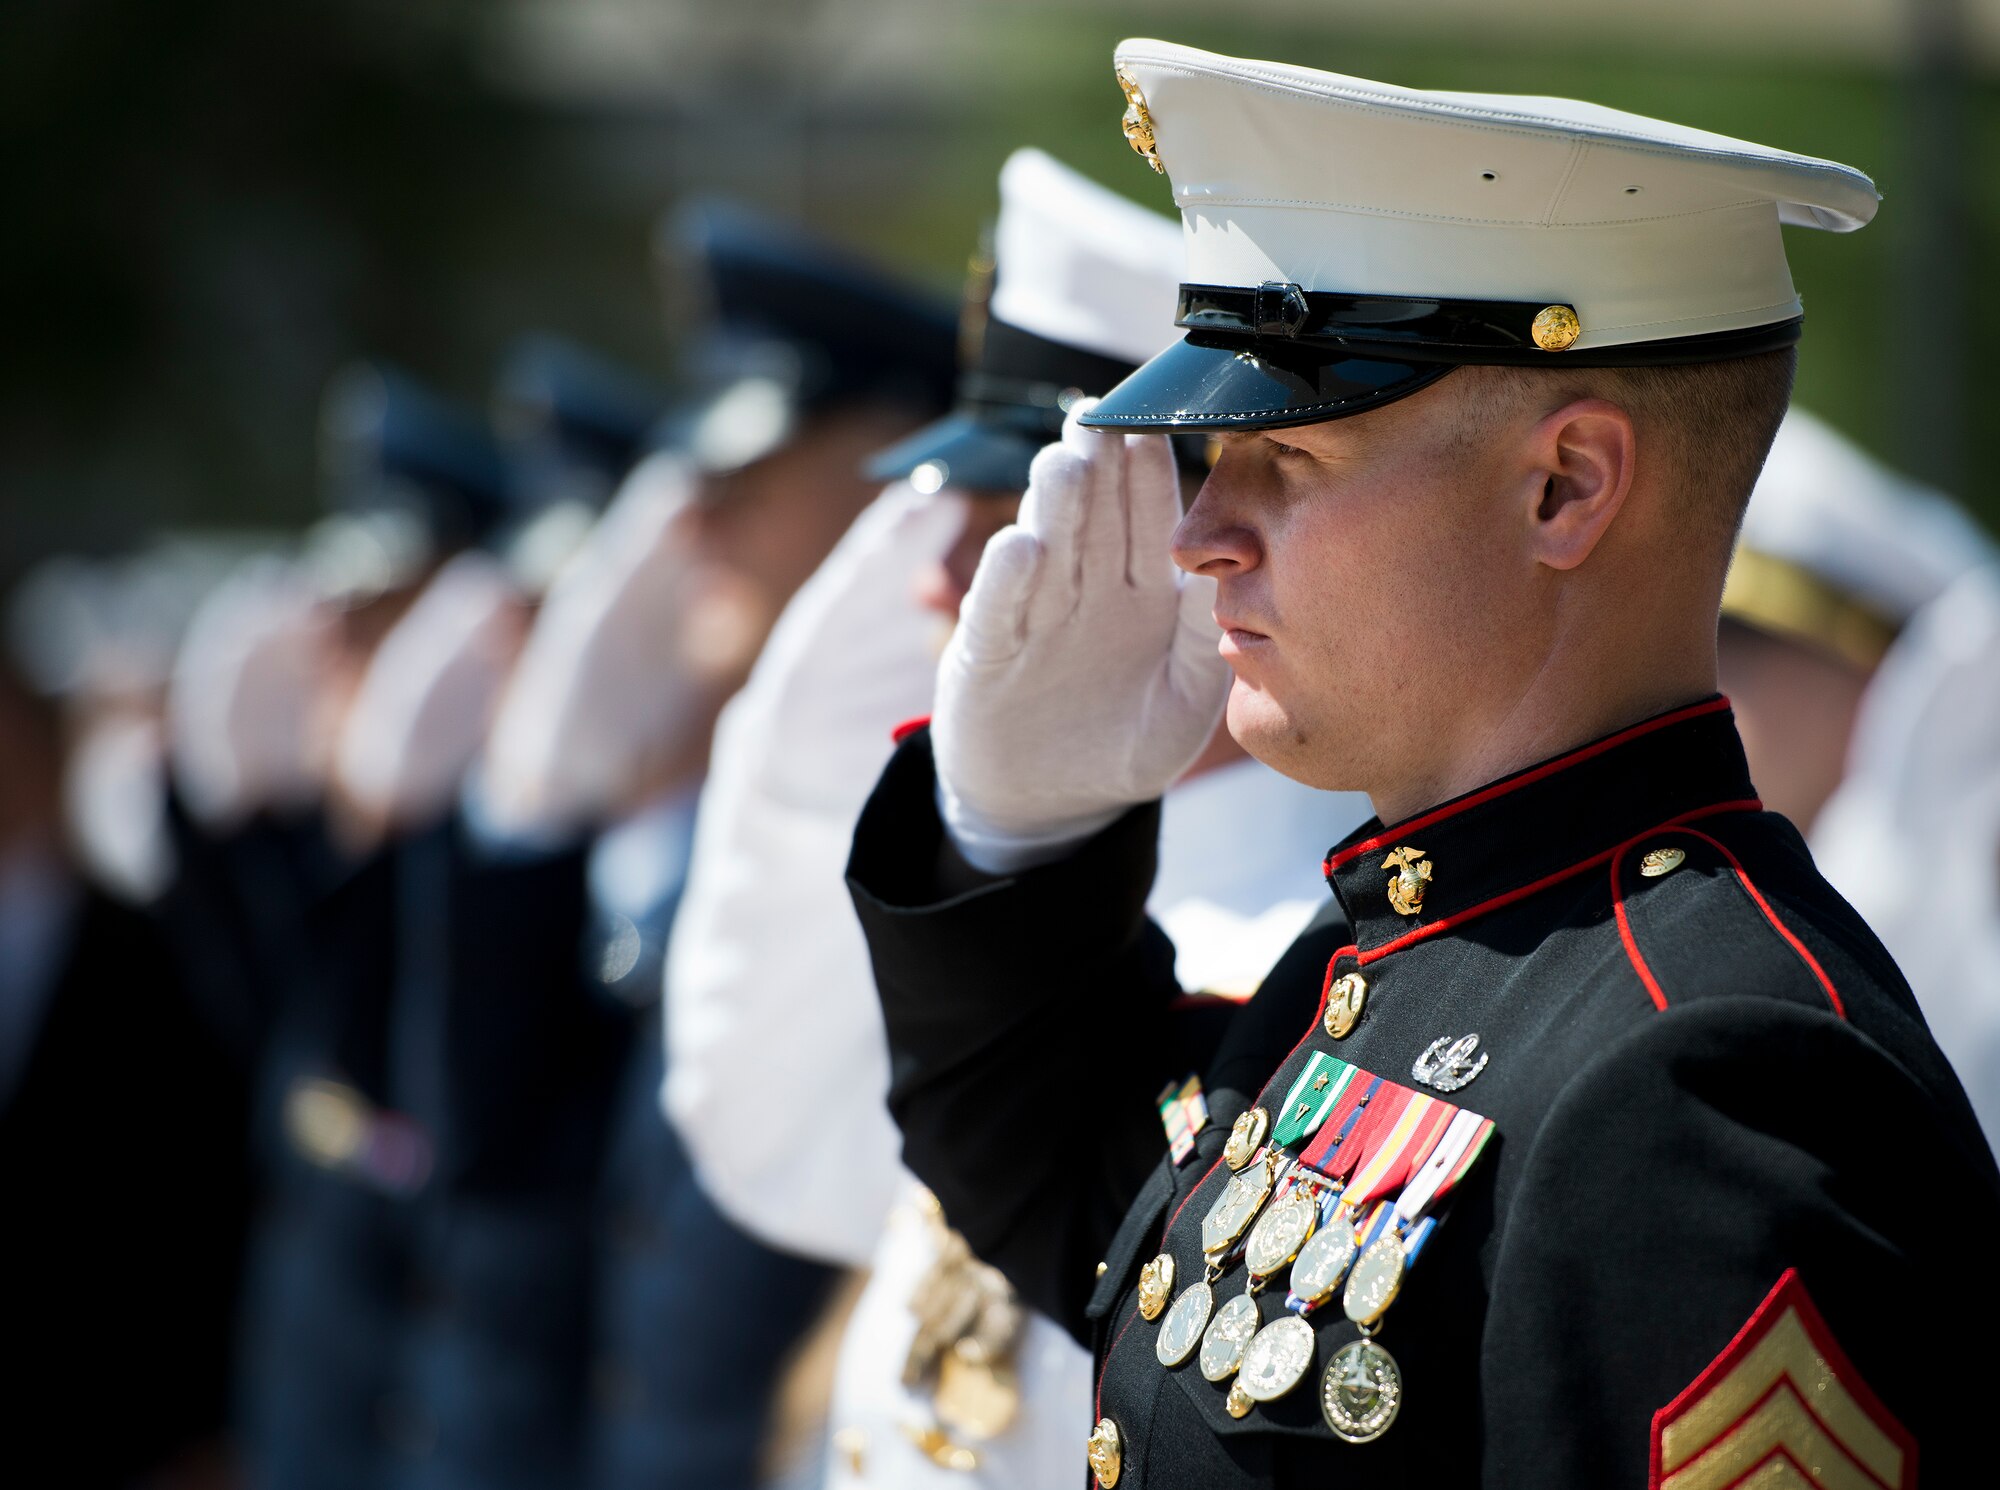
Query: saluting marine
[{"x": 1586, "y": 1137}]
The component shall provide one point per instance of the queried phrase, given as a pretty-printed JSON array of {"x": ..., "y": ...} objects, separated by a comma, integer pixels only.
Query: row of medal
[{"x": 1348, "y": 1215}]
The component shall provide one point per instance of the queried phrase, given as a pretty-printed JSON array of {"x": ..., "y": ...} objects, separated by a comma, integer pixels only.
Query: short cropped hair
[{"x": 1711, "y": 422}]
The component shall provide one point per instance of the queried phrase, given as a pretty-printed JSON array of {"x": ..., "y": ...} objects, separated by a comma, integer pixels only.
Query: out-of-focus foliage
[{"x": 214, "y": 202}]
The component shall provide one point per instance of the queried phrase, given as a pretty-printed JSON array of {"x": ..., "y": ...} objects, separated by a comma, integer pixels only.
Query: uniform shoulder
[
  {"x": 1733, "y": 911},
  {"x": 1733, "y": 906}
]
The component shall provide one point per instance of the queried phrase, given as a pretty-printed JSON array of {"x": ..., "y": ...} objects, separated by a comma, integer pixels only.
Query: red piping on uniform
[
  {"x": 1325, "y": 988},
  {"x": 1805, "y": 956},
  {"x": 1625, "y": 929},
  {"x": 1097, "y": 1387},
  {"x": 1422, "y": 933},
  {"x": 907, "y": 728},
  {"x": 1790, "y": 1290},
  {"x": 1415, "y": 825}
]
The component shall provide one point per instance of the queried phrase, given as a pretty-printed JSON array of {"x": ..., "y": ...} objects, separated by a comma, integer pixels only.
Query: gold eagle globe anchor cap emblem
[
  {"x": 1138, "y": 121},
  {"x": 1409, "y": 875}
]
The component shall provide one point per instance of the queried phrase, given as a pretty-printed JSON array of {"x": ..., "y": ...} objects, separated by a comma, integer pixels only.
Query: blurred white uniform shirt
[{"x": 1912, "y": 835}]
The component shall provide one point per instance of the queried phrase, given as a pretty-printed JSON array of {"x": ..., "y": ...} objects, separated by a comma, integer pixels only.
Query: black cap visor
[
  {"x": 968, "y": 452},
  {"x": 1212, "y": 382}
]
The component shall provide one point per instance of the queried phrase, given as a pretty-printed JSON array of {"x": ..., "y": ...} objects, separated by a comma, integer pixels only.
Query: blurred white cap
[
  {"x": 1081, "y": 265},
  {"x": 1839, "y": 551}
]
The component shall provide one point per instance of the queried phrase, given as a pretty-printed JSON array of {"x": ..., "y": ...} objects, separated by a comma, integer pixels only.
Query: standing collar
[{"x": 1507, "y": 840}]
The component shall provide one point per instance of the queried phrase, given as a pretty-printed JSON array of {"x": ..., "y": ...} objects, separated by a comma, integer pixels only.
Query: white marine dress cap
[{"x": 1349, "y": 242}]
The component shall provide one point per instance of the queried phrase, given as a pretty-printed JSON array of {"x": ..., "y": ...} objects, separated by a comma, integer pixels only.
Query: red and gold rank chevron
[{"x": 1782, "y": 1408}]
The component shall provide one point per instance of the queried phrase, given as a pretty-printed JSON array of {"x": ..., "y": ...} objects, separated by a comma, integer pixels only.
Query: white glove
[
  {"x": 854, "y": 655},
  {"x": 1083, "y": 677},
  {"x": 603, "y": 686},
  {"x": 425, "y": 702},
  {"x": 114, "y": 806},
  {"x": 766, "y": 912},
  {"x": 240, "y": 700}
]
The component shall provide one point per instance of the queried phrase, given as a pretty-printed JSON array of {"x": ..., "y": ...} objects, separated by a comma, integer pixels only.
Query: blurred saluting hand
[
  {"x": 605, "y": 686},
  {"x": 425, "y": 702},
  {"x": 240, "y": 698}
]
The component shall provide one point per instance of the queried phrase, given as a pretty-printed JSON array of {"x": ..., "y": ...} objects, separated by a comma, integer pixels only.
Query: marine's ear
[{"x": 1581, "y": 459}]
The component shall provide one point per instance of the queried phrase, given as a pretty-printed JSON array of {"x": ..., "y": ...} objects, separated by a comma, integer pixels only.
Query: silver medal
[
  {"x": 1222, "y": 1347},
  {"x": 1235, "y": 1206},
  {"x": 1376, "y": 1280},
  {"x": 1277, "y": 1359},
  {"x": 1181, "y": 1331},
  {"x": 1361, "y": 1392},
  {"x": 1322, "y": 1263}
]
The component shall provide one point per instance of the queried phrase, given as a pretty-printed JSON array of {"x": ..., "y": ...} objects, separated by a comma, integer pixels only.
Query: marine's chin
[{"x": 1262, "y": 726}]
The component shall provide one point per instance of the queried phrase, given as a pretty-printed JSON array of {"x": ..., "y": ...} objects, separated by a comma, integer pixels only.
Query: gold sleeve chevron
[{"x": 1781, "y": 1407}]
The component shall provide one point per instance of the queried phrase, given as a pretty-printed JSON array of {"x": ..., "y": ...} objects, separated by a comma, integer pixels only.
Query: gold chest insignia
[
  {"x": 1107, "y": 1454},
  {"x": 1156, "y": 1286},
  {"x": 1138, "y": 121},
  {"x": 1410, "y": 873}
]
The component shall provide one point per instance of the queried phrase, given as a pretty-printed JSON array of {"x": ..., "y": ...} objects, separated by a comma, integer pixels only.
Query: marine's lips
[{"x": 1238, "y": 637}]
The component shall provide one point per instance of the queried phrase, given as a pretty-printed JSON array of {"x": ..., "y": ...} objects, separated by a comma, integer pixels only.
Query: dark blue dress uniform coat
[
  {"x": 1735, "y": 1216},
  {"x": 327, "y": 1286}
]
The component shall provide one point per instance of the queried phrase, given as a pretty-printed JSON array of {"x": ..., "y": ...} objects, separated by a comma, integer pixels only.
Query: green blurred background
[{"x": 215, "y": 202}]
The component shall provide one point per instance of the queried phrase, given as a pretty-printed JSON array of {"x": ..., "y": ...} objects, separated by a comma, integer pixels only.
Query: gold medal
[
  {"x": 1246, "y": 1137},
  {"x": 1279, "y": 1233},
  {"x": 1156, "y": 1286},
  {"x": 1239, "y": 1402},
  {"x": 1236, "y": 1206},
  {"x": 1322, "y": 1262},
  {"x": 1376, "y": 1280},
  {"x": 1277, "y": 1359},
  {"x": 1361, "y": 1392},
  {"x": 1185, "y": 1321},
  {"x": 1234, "y": 1325}
]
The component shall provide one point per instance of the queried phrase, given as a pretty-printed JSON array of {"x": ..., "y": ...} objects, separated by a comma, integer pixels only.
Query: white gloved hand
[
  {"x": 1083, "y": 678},
  {"x": 424, "y": 704},
  {"x": 602, "y": 685},
  {"x": 239, "y": 702},
  {"x": 854, "y": 655}
]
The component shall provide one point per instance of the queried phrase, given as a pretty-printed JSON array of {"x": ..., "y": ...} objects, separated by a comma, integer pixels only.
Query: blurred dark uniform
[
  {"x": 322, "y": 1395},
  {"x": 696, "y": 1318},
  {"x": 503, "y": 1046}
]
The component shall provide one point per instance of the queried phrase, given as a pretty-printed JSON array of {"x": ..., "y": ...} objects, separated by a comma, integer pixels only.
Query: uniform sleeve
[
  {"x": 1030, "y": 1024},
  {"x": 1733, "y": 1237},
  {"x": 777, "y": 1072},
  {"x": 500, "y": 1049}
]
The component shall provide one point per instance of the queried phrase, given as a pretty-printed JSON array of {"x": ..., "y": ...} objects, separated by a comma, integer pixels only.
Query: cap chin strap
[{"x": 1441, "y": 329}]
